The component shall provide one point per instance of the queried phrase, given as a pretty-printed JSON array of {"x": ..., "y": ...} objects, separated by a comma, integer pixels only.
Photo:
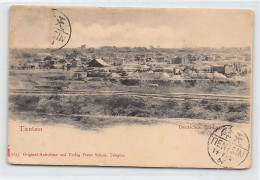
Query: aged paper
[{"x": 130, "y": 87}]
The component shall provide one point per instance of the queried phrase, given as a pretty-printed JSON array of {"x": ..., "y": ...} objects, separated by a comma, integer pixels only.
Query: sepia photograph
[{"x": 142, "y": 87}]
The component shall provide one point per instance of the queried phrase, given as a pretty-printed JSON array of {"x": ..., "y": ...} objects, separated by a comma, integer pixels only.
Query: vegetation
[{"x": 123, "y": 105}]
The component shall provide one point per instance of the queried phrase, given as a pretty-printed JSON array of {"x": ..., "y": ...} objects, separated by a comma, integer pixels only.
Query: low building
[
  {"x": 185, "y": 60},
  {"x": 42, "y": 55},
  {"x": 177, "y": 60},
  {"x": 159, "y": 59},
  {"x": 150, "y": 75},
  {"x": 57, "y": 57},
  {"x": 156, "y": 64},
  {"x": 143, "y": 68},
  {"x": 32, "y": 65},
  {"x": 97, "y": 63},
  {"x": 78, "y": 75},
  {"x": 119, "y": 61},
  {"x": 219, "y": 69},
  {"x": 177, "y": 71},
  {"x": 114, "y": 76},
  {"x": 58, "y": 66},
  {"x": 73, "y": 62},
  {"x": 229, "y": 69}
]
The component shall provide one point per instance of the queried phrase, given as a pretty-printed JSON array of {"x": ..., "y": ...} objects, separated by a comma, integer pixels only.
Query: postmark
[
  {"x": 228, "y": 146},
  {"x": 61, "y": 30}
]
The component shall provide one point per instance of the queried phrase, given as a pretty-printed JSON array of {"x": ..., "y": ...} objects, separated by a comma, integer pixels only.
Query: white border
[{"x": 65, "y": 172}]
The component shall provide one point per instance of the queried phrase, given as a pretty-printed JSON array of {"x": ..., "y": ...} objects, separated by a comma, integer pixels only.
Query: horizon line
[{"x": 137, "y": 47}]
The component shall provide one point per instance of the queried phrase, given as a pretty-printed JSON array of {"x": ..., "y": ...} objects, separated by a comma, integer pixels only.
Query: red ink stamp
[{"x": 8, "y": 151}]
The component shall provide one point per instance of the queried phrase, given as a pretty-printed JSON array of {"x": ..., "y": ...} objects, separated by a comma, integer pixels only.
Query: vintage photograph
[{"x": 142, "y": 87}]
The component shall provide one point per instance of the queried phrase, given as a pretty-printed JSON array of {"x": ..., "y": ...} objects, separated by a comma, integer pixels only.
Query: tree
[{"x": 26, "y": 55}]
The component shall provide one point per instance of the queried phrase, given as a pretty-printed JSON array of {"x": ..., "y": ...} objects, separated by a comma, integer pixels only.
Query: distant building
[
  {"x": 156, "y": 64},
  {"x": 219, "y": 69},
  {"x": 42, "y": 55},
  {"x": 177, "y": 60},
  {"x": 119, "y": 61},
  {"x": 141, "y": 58},
  {"x": 229, "y": 69},
  {"x": 58, "y": 66},
  {"x": 97, "y": 63},
  {"x": 159, "y": 59},
  {"x": 32, "y": 65},
  {"x": 177, "y": 71},
  {"x": 150, "y": 75},
  {"x": 149, "y": 59},
  {"x": 73, "y": 63},
  {"x": 209, "y": 58},
  {"x": 47, "y": 58},
  {"x": 78, "y": 75},
  {"x": 142, "y": 68},
  {"x": 114, "y": 76},
  {"x": 58, "y": 57},
  {"x": 130, "y": 67},
  {"x": 185, "y": 60}
]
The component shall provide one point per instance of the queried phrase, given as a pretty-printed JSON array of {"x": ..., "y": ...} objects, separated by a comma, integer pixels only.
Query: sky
[{"x": 133, "y": 27}]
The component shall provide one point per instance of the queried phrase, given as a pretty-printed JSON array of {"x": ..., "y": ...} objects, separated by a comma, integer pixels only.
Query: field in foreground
[{"x": 88, "y": 111}]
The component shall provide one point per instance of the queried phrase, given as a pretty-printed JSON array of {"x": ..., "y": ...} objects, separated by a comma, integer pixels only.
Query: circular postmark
[
  {"x": 60, "y": 30},
  {"x": 228, "y": 146}
]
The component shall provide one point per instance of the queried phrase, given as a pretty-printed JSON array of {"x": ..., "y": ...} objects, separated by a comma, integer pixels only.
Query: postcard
[{"x": 136, "y": 87}]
